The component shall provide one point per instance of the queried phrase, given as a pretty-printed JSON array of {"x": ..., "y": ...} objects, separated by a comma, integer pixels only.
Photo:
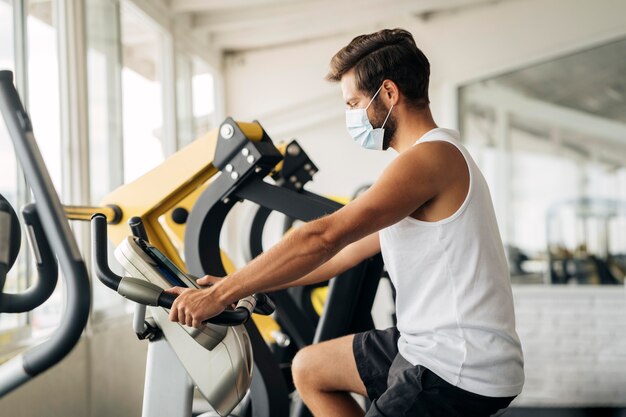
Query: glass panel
[
  {"x": 550, "y": 141},
  {"x": 184, "y": 101},
  {"x": 43, "y": 84},
  {"x": 141, "y": 93},
  {"x": 105, "y": 122},
  {"x": 7, "y": 60},
  {"x": 203, "y": 89},
  {"x": 43, "y": 106},
  {"x": 195, "y": 98},
  {"x": 105, "y": 97}
]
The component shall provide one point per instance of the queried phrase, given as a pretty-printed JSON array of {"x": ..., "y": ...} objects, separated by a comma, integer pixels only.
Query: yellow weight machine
[{"x": 176, "y": 183}]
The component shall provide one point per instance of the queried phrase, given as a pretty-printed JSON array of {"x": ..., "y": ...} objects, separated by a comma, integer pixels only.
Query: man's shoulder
[{"x": 441, "y": 151}]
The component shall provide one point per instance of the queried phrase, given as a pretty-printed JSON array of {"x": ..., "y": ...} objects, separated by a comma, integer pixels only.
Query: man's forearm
[
  {"x": 326, "y": 271},
  {"x": 308, "y": 279},
  {"x": 293, "y": 258}
]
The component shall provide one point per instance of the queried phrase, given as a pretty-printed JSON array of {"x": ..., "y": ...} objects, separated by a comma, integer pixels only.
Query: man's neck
[{"x": 414, "y": 125}]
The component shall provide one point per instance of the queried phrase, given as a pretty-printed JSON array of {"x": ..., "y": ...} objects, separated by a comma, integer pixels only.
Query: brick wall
[{"x": 574, "y": 341}]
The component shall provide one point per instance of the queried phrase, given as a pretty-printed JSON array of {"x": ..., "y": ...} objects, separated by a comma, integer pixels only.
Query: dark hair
[{"x": 388, "y": 54}]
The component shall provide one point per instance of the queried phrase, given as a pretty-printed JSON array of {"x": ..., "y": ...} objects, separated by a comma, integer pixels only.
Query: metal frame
[{"x": 168, "y": 389}]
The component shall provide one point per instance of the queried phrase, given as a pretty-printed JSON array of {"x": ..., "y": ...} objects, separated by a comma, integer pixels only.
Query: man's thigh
[
  {"x": 374, "y": 352},
  {"x": 331, "y": 365},
  {"x": 417, "y": 391}
]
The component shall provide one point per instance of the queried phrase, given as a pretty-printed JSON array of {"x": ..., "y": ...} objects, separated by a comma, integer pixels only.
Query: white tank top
[{"x": 454, "y": 302}]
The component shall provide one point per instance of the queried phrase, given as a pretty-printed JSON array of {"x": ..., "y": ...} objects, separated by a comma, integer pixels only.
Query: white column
[
  {"x": 72, "y": 41},
  {"x": 168, "y": 88}
]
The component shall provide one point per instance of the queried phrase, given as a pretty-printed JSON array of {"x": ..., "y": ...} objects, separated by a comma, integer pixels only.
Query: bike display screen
[{"x": 170, "y": 272}]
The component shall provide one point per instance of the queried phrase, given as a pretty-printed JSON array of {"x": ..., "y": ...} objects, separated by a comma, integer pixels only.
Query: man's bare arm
[
  {"x": 348, "y": 257},
  {"x": 413, "y": 178}
]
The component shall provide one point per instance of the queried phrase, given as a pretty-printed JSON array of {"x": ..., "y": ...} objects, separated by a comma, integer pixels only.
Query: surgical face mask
[{"x": 361, "y": 130}]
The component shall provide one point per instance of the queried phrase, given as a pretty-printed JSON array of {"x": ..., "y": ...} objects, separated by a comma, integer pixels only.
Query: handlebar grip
[
  {"x": 264, "y": 304},
  {"x": 38, "y": 239},
  {"x": 99, "y": 250},
  {"x": 47, "y": 267},
  {"x": 226, "y": 318},
  {"x": 141, "y": 291},
  {"x": 5, "y": 233},
  {"x": 166, "y": 299},
  {"x": 231, "y": 317}
]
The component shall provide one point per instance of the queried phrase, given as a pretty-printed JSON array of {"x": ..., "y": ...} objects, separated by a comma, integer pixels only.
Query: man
[{"x": 455, "y": 351}]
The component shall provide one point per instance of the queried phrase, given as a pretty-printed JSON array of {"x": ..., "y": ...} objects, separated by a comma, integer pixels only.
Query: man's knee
[
  {"x": 303, "y": 366},
  {"x": 327, "y": 366}
]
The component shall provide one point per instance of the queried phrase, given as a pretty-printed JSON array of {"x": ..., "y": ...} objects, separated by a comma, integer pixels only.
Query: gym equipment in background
[
  {"x": 50, "y": 235},
  {"x": 583, "y": 242}
]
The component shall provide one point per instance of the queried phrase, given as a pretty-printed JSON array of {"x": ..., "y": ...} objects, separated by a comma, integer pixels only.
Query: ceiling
[
  {"x": 239, "y": 25},
  {"x": 592, "y": 81},
  {"x": 232, "y": 26}
]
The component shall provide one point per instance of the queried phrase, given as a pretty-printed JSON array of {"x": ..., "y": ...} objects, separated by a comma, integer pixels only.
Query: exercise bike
[{"x": 217, "y": 358}]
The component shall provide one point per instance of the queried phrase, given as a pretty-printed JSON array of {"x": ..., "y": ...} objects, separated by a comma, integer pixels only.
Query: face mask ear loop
[
  {"x": 375, "y": 94},
  {"x": 388, "y": 114}
]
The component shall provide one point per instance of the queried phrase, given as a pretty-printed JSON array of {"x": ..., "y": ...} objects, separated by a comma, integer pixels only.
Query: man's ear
[{"x": 390, "y": 92}]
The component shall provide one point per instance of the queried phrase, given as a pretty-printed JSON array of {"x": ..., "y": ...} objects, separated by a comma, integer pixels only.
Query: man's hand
[
  {"x": 208, "y": 280},
  {"x": 193, "y": 306}
]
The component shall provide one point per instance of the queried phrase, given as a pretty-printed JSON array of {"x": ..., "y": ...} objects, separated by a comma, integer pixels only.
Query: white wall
[{"x": 574, "y": 342}]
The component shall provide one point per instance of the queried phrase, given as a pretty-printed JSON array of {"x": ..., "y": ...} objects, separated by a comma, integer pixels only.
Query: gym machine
[
  {"x": 49, "y": 235},
  {"x": 163, "y": 197},
  {"x": 217, "y": 358},
  {"x": 243, "y": 164}
]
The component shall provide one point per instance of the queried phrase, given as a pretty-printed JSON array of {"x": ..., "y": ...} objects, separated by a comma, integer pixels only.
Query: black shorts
[{"x": 397, "y": 388}]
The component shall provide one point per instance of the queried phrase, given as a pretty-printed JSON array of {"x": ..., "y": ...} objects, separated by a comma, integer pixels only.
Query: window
[
  {"x": 43, "y": 84},
  {"x": 550, "y": 141},
  {"x": 184, "y": 101},
  {"x": 105, "y": 97},
  {"x": 142, "y": 98},
  {"x": 42, "y": 102},
  {"x": 128, "y": 88},
  {"x": 43, "y": 106},
  {"x": 203, "y": 91},
  {"x": 104, "y": 88},
  {"x": 195, "y": 104}
]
